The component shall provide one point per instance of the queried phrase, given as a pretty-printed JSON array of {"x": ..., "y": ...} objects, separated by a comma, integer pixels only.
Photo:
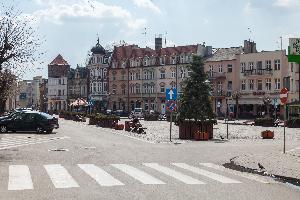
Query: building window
[
  {"x": 132, "y": 89},
  {"x": 173, "y": 60},
  {"x": 259, "y": 84},
  {"x": 137, "y": 76},
  {"x": 146, "y": 60},
  {"x": 162, "y": 74},
  {"x": 123, "y": 91},
  {"x": 292, "y": 67},
  {"x": 268, "y": 64},
  {"x": 123, "y": 76},
  {"x": 211, "y": 71},
  {"x": 251, "y": 65},
  {"x": 162, "y": 60},
  {"x": 220, "y": 68},
  {"x": 146, "y": 88},
  {"x": 131, "y": 76},
  {"x": 243, "y": 85},
  {"x": 268, "y": 84},
  {"x": 173, "y": 74},
  {"x": 229, "y": 85},
  {"x": 145, "y": 75},
  {"x": 104, "y": 73},
  {"x": 151, "y": 89},
  {"x": 251, "y": 84},
  {"x": 162, "y": 89},
  {"x": 59, "y": 82},
  {"x": 182, "y": 59},
  {"x": 151, "y": 75},
  {"x": 94, "y": 87},
  {"x": 277, "y": 64},
  {"x": 59, "y": 92},
  {"x": 138, "y": 89},
  {"x": 105, "y": 87},
  {"x": 277, "y": 84},
  {"x": 229, "y": 68},
  {"x": 243, "y": 67}
]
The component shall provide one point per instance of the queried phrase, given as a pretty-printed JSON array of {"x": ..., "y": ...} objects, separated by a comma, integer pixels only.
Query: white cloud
[
  {"x": 87, "y": 10},
  {"x": 248, "y": 9},
  {"x": 287, "y": 3},
  {"x": 148, "y": 4}
]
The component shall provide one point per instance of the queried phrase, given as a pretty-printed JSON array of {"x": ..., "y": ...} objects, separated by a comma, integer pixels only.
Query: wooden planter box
[
  {"x": 267, "y": 134},
  {"x": 119, "y": 126},
  {"x": 198, "y": 135},
  {"x": 187, "y": 129}
]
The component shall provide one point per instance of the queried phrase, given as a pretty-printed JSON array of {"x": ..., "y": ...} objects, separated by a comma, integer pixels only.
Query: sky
[{"x": 71, "y": 27}]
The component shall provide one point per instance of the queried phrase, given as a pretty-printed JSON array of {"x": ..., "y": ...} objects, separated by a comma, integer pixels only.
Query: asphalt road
[{"x": 98, "y": 164}]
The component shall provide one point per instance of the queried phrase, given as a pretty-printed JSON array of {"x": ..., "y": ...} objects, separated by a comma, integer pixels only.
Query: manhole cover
[{"x": 60, "y": 149}]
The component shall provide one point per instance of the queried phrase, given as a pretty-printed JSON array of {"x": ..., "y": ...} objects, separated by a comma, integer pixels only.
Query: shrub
[
  {"x": 294, "y": 123},
  {"x": 266, "y": 122}
]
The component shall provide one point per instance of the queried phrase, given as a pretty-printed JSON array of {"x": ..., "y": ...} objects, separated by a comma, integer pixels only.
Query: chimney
[
  {"x": 249, "y": 47},
  {"x": 158, "y": 42}
]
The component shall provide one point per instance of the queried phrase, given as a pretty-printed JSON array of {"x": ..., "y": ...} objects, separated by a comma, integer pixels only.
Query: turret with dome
[{"x": 98, "y": 49}]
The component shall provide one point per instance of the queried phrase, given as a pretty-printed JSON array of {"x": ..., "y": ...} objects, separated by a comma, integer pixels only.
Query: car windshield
[
  {"x": 137, "y": 110},
  {"x": 46, "y": 115}
]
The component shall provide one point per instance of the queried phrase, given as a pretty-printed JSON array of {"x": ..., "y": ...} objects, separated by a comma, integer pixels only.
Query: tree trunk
[
  {"x": 237, "y": 109},
  {"x": 2, "y": 106}
]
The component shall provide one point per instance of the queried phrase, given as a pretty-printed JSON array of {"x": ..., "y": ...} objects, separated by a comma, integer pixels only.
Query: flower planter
[
  {"x": 198, "y": 135},
  {"x": 119, "y": 126},
  {"x": 267, "y": 134},
  {"x": 188, "y": 128}
]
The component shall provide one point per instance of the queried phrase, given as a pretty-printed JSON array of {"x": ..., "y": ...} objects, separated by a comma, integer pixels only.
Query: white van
[{"x": 137, "y": 112}]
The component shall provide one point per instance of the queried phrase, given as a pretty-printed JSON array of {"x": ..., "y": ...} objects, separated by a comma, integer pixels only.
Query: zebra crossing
[
  {"x": 20, "y": 176},
  {"x": 8, "y": 142}
]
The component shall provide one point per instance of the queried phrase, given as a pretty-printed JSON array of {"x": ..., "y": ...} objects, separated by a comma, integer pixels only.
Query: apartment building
[
  {"x": 98, "y": 76},
  {"x": 58, "y": 71},
  {"x": 138, "y": 77},
  {"x": 223, "y": 69},
  {"x": 77, "y": 84},
  {"x": 262, "y": 74}
]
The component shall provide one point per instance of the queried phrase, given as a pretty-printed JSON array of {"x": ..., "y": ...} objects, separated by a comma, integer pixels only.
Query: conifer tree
[{"x": 195, "y": 102}]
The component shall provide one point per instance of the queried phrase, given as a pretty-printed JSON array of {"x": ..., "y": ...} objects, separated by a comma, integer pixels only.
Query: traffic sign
[
  {"x": 171, "y": 105},
  {"x": 171, "y": 94},
  {"x": 284, "y": 95}
]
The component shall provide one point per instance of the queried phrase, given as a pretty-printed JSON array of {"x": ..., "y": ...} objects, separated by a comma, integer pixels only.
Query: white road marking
[
  {"x": 295, "y": 149},
  {"x": 206, "y": 173},
  {"x": 99, "y": 175},
  {"x": 26, "y": 142},
  {"x": 60, "y": 177},
  {"x": 19, "y": 178},
  {"x": 137, "y": 174},
  {"x": 170, "y": 172},
  {"x": 238, "y": 173}
]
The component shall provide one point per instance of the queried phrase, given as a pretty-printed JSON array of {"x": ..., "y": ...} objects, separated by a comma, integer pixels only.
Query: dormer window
[
  {"x": 173, "y": 60},
  {"x": 162, "y": 60}
]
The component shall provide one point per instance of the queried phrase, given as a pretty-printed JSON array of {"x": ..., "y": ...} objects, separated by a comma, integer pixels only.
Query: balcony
[
  {"x": 258, "y": 72},
  {"x": 216, "y": 75},
  {"x": 218, "y": 93}
]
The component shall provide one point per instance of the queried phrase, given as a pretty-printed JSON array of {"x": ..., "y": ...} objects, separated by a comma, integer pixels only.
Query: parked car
[
  {"x": 137, "y": 113},
  {"x": 29, "y": 121},
  {"x": 121, "y": 113}
]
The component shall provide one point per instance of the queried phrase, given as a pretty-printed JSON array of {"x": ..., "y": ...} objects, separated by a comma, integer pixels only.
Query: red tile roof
[
  {"x": 133, "y": 51},
  {"x": 59, "y": 60}
]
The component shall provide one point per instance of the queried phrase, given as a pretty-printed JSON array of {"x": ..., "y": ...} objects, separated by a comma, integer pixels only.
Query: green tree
[{"x": 195, "y": 102}]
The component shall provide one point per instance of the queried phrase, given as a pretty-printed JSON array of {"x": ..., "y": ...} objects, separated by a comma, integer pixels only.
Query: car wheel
[
  {"x": 39, "y": 130},
  {"x": 49, "y": 131},
  {"x": 3, "y": 129}
]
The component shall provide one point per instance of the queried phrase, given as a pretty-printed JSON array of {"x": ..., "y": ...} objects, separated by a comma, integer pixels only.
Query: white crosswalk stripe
[
  {"x": 206, "y": 173},
  {"x": 170, "y": 172},
  {"x": 138, "y": 174},
  {"x": 60, "y": 177},
  {"x": 19, "y": 178},
  {"x": 99, "y": 175}
]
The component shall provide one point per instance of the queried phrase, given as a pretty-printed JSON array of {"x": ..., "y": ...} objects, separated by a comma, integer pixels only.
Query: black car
[{"x": 29, "y": 121}]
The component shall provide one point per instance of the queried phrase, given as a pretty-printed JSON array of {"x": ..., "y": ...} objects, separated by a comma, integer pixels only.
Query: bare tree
[{"x": 19, "y": 46}]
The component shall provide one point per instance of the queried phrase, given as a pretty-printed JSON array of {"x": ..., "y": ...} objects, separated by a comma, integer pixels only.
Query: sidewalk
[{"x": 276, "y": 163}]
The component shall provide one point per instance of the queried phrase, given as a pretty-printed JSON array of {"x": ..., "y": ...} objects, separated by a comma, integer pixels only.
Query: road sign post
[
  {"x": 171, "y": 97},
  {"x": 283, "y": 99}
]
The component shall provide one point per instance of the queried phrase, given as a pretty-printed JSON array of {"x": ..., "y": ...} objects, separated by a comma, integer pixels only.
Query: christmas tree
[{"x": 195, "y": 102}]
